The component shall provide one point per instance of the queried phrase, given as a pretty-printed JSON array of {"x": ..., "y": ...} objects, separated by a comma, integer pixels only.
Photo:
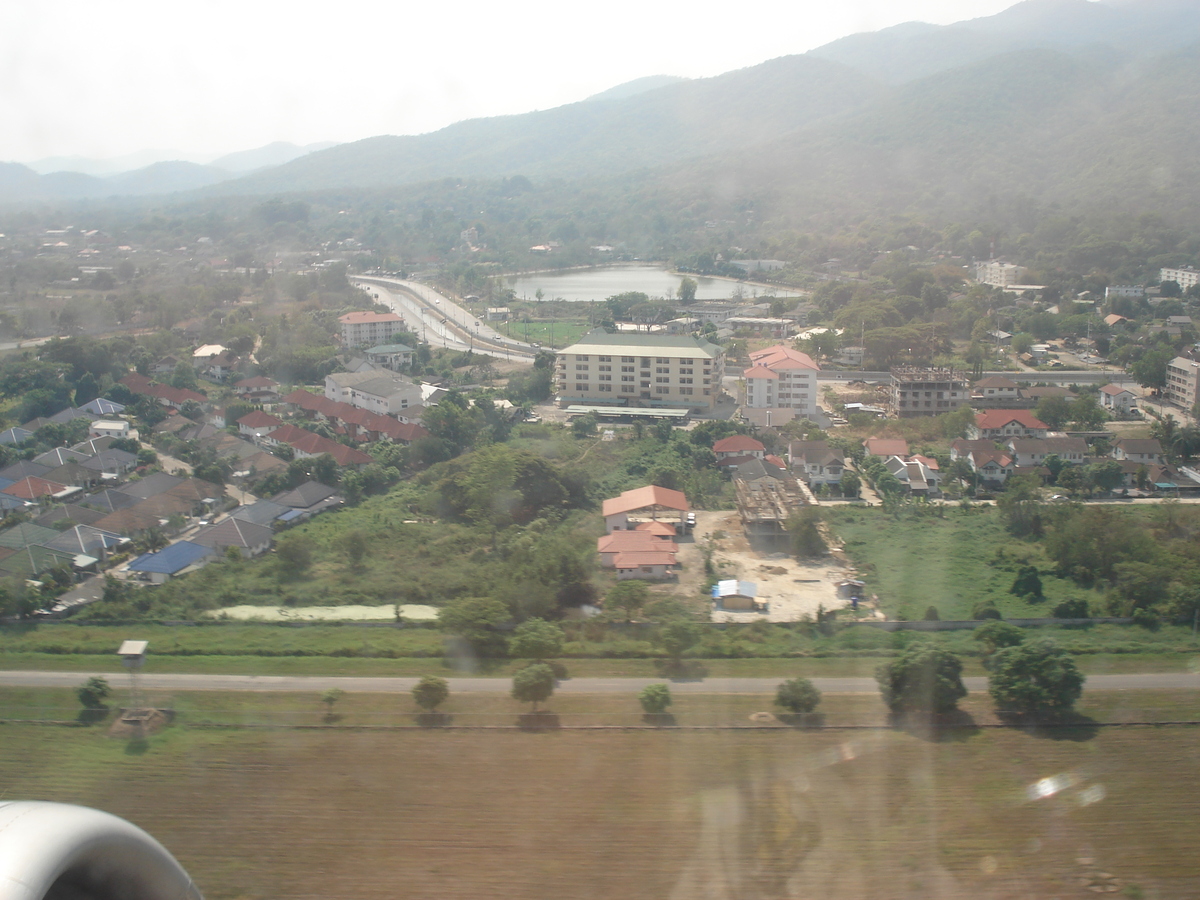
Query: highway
[
  {"x": 382, "y": 685},
  {"x": 440, "y": 322}
]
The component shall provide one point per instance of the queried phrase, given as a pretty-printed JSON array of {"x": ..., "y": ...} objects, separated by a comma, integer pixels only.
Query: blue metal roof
[{"x": 171, "y": 559}]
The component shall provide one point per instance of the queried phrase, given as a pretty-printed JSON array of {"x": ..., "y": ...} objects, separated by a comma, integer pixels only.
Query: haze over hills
[
  {"x": 677, "y": 121},
  {"x": 1050, "y": 98},
  {"x": 913, "y": 50}
]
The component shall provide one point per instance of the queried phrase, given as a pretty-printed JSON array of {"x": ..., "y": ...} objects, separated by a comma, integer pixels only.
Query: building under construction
[
  {"x": 927, "y": 391},
  {"x": 764, "y": 504}
]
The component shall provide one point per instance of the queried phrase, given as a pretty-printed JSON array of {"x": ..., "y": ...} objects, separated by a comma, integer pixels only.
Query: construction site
[{"x": 764, "y": 505}]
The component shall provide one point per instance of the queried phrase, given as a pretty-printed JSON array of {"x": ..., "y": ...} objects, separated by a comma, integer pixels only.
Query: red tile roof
[
  {"x": 632, "y": 559},
  {"x": 886, "y": 446},
  {"x": 32, "y": 487},
  {"x": 259, "y": 419},
  {"x": 737, "y": 443}
]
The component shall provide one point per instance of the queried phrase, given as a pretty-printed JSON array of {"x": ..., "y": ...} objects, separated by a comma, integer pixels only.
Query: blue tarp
[{"x": 173, "y": 559}]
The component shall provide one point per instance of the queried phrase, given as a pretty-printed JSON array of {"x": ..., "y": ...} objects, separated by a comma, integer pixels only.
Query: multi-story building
[
  {"x": 1132, "y": 291},
  {"x": 782, "y": 378},
  {"x": 1183, "y": 375},
  {"x": 997, "y": 273},
  {"x": 1185, "y": 277},
  {"x": 379, "y": 391},
  {"x": 640, "y": 370},
  {"x": 368, "y": 329},
  {"x": 927, "y": 391}
]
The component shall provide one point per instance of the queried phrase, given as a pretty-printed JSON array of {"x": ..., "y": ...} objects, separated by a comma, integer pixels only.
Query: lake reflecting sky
[{"x": 601, "y": 283}]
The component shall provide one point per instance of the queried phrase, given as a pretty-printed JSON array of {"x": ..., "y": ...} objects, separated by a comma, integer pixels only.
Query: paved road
[
  {"x": 318, "y": 683},
  {"x": 1061, "y": 378}
]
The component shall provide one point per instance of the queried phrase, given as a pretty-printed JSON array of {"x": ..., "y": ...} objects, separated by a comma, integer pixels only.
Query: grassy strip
[{"x": 253, "y": 708}]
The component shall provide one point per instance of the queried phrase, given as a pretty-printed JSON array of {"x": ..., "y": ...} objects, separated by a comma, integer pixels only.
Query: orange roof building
[{"x": 645, "y": 504}]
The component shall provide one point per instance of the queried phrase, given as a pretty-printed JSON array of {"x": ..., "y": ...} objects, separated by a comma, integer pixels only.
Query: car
[{"x": 691, "y": 520}]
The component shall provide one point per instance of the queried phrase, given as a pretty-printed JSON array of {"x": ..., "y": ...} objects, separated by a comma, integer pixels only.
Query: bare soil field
[
  {"x": 793, "y": 589},
  {"x": 667, "y": 814}
]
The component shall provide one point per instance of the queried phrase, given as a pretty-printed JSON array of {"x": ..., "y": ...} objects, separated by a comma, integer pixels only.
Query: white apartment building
[
  {"x": 368, "y": 329},
  {"x": 1185, "y": 277},
  {"x": 782, "y": 378},
  {"x": 1132, "y": 291},
  {"x": 997, "y": 273},
  {"x": 1183, "y": 375},
  {"x": 640, "y": 370}
]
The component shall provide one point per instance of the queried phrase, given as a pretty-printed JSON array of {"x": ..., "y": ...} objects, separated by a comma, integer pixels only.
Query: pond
[{"x": 583, "y": 285}]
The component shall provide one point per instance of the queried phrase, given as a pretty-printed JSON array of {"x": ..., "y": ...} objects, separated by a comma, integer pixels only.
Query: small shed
[{"x": 737, "y": 595}]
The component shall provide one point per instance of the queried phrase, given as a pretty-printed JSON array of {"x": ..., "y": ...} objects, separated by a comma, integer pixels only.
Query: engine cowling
[{"x": 55, "y": 851}]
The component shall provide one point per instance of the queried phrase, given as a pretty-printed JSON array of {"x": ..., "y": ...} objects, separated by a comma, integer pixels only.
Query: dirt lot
[
  {"x": 792, "y": 589},
  {"x": 654, "y": 815}
]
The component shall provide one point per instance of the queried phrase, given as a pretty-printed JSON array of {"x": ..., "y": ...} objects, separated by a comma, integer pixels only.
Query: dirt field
[
  {"x": 793, "y": 589},
  {"x": 321, "y": 814}
]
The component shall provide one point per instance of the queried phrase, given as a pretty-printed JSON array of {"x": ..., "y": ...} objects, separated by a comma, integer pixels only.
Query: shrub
[
  {"x": 798, "y": 695},
  {"x": 932, "y": 614},
  {"x": 1075, "y": 608},
  {"x": 93, "y": 692},
  {"x": 1028, "y": 584},
  {"x": 431, "y": 692},
  {"x": 655, "y": 698},
  {"x": 985, "y": 609}
]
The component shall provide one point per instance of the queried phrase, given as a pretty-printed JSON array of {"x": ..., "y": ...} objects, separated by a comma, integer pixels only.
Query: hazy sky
[{"x": 103, "y": 79}]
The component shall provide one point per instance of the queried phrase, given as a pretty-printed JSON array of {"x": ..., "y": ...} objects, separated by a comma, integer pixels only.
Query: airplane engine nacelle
[{"x": 55, "y": 851}]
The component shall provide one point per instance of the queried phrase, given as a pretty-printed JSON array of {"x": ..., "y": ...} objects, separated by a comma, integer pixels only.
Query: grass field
[
  {"x": 674, "y": 814},
  {"x": 951, "y": 563}
]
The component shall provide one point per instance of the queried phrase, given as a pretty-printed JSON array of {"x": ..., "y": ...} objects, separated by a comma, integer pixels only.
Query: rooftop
[{"x": 643, "y": 345}]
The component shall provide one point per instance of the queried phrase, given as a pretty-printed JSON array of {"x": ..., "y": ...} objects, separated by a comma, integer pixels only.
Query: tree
[
  {"x": 1028, "y": 584},
  {"x": 677, "y": 637},
  {"x": 330, "y": 699},
  {"x": 93, "y": 692},
  {"x": 1076, "y": 608},
  {"x": 1087, "y": 413},
  {"x": 1106, "y": 475},
  {"x": 628, "y": 596},
  {"x": 655, "y": 698},
  {"x": 996, "y": 635},
  {"x": 354, "y": 545},
  {"x": 295, "y": 551},
  {"x": 924, "y": 679},
  {"x": 1054, "y": 411},
  {"x": 932, "y": 614},
  {"x": 1021, "y": 505},
  {"x": 584, "y": 426},
  {"x": 851, "y": 484},
  {"x": 798, "y": 696},
  {"x": 430, "y": 692},
  {"x": 807, "y": 541},
  {"x": 476, "y": 620},
  {"x": 1151, "y": 370},
  {"x": 1034, "y": 680},
  {"x": 86, "y": 389},
  {"x": 687, "y": 290},
  {"x": 536, "y": 639},
  {"x": 533, "y": 684}
]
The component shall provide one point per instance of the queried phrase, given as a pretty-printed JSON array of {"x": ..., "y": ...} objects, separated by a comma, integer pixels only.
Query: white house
[
  {"x": 114, "y": 428},
  {"x": 1117, "y": 399}
]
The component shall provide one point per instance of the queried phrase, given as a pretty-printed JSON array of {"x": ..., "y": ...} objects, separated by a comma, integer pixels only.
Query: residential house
[
  {"x": 151, "y": 486},
  {"x": 250, "y": 539},
  {"x": 378, "y": 391},
  {"x": 258, "y": 423},
  {"x": 737, "y": 596},
  {"x": 1147, "y": 451},
  {"x": 649, "y": 565},
  {"x": 70, "y": 414},
  {"x": 1000, "y": 424},
  {"x": 164, "y": 366},
  {"x": 14, "y": 437},
  {"x": 645, "y": 504},
  {"x": 995, "y": 390},
  {"x": 33, "y": 488},
  {"x": 610, "y": 546},
  {"x": 60, "y": 456},
  {"x": 1041, "y": 392},
  {"x": 994, "y": 466},
  {"x": 737, "y": 446},
  {"x": 816, "y": 462},
  {"x": 102, "y": 408},
  {"x": 88, "y": 541},
  {"x": 1117, "y": 399},
  {"x": 885, "y": 447},
  {"x": 258, "y": 389},
  {"x": 69, "y": 513},
  {"x": 307, "y": 500},
  {"x": 391, "y": 356},
  {"x": 177, "y": 559},
  {"x": 113, "y": 428},
  {"x": 23, "y": 468},
  {"x": 1031, "y": 452},
  {"x": 208, "y": 352},
  {"x": 261, "y": 512}
]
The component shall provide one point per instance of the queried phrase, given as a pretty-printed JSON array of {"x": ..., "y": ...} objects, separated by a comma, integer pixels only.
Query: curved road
[{"x": 384, "y": 685}]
